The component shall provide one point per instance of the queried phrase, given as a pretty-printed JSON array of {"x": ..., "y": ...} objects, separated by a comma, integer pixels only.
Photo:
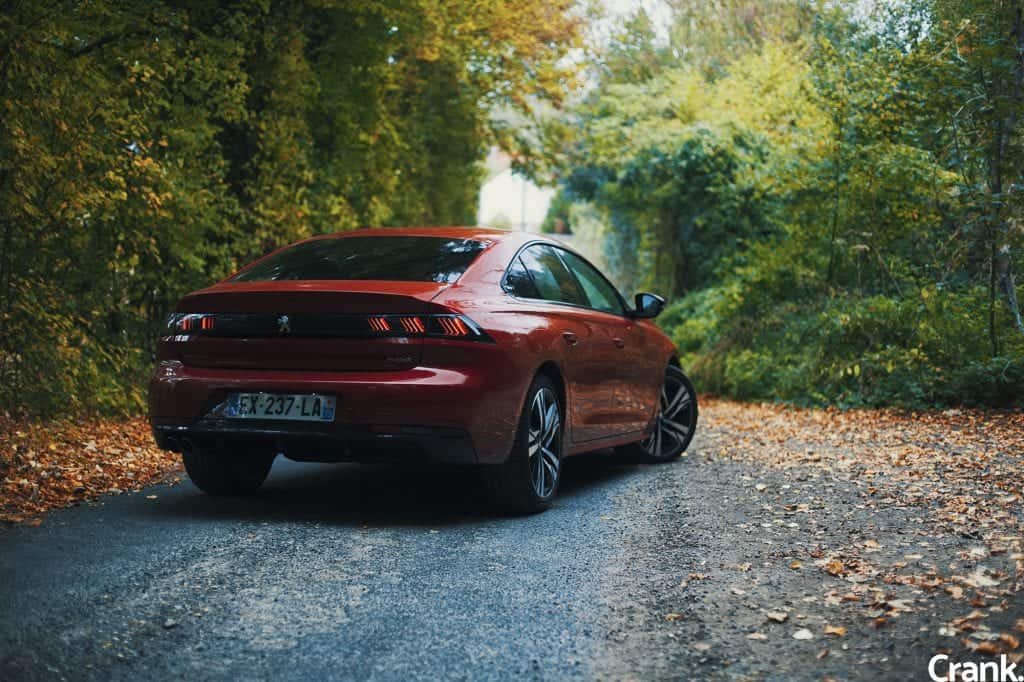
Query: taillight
[
  {"x": 189, "y": 323},
  {"x": 379, "y": 324},
  {"x": 325, "y": 325},
  {"x": 443, "y": 326},
  {"x": 412, "y": 325},
  {"x": 453, "y": 326}
]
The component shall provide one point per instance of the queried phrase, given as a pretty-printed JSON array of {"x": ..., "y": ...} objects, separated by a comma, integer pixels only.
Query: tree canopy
[
  {"x": 830, "y": 196},
  {"x": 147, "y": 148},
  {"x": 829, "y": 193}
]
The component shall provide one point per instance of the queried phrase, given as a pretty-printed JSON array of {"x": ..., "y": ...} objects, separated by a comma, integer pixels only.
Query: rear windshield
[{"x": 406, "y": 259}]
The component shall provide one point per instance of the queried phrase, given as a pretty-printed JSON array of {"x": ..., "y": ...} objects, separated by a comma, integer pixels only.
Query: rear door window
[
  {"x": 552, "y": 279},
  {"x": 404, "y": 259},
  {"x": 601, "y": 294}
]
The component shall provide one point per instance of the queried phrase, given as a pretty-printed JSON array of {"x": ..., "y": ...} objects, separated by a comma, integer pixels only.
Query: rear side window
[
  {"x": 552, "y": 279},
  {"x": 518, "y": 281},
  {"x": 404, "y": 259}
]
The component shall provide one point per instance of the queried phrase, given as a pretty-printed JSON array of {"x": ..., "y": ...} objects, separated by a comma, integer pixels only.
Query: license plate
[{"x": 287, "y": 406}]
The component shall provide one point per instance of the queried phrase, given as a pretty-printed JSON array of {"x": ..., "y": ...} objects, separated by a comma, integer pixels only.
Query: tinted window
[
  {"x": 518, "y": 281},
  {"x": 406, "y": 259},
  {"x": 600, "y": 293},
  {"x": 550, "y": 276}
]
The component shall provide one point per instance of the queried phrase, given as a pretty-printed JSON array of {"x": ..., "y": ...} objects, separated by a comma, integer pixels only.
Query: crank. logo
[
  {"x": 940, "y": 668},
  {"x": 284, "y": 325}
]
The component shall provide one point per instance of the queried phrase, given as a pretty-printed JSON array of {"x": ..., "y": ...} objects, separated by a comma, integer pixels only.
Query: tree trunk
[
  {"x": 1003, "y": 263},
  {"x": 1004, "y": 273}
]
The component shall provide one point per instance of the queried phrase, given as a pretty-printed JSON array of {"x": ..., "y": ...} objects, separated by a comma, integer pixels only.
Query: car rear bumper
[
  {"x": 348, "y": 444},
  {"x": 447, "y": 415}
]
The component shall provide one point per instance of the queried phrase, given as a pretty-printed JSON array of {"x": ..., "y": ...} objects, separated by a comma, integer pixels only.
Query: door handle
[
  {"x": 570, "y": 338},
  {"x": 619, "y": 343}
]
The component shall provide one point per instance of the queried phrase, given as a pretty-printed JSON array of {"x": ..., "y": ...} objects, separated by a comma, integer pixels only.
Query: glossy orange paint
[{"x": 611, "y": 366}]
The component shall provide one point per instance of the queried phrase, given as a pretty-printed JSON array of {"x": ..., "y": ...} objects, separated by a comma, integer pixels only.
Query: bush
[{"x": 917, "y": 351}]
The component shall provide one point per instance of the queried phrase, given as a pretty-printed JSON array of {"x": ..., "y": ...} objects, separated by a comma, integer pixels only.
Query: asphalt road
[{"x": 348, "y": 572}]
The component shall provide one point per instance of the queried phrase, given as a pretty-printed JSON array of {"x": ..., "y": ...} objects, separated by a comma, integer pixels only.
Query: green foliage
[
  {"x": 149, "y": 148},
  {"x": 557, "y": 220},
  {"x": 824, "y": 197}
]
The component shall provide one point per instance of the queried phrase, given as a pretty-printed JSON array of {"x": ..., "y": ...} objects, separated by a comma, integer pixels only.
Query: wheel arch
[{"x": 552, "y": 371}]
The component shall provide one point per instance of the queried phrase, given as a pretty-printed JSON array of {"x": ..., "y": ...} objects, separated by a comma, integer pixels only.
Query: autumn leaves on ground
[
  {"x": 934, "y": 544},
  {"x": 956, "y": 562},
  {"x": 45, "y": 465},
  {"x": 956, "y": 475}
]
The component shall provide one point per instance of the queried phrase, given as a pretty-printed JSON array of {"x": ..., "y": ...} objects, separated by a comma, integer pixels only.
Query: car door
[
  {"x": 540, "y": 274},
  {"x": 622, "y": 344}
]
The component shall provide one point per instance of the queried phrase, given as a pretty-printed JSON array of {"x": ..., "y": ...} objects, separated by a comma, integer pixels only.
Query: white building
[{"x": 511, "y": 201}]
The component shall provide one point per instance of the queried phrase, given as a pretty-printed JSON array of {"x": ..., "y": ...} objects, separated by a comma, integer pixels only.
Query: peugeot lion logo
[{"x": 284, "y": 325}]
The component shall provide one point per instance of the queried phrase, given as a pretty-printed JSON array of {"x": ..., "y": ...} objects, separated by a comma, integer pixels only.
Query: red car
[{"x": 463, "y": 345}]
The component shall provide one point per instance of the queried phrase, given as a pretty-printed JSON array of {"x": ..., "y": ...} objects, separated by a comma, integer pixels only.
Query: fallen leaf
[
  {"x": 987, "y": 648},
  {"x": 757, "y": 635},
  {"x": 835, "y": 567},
  {"x": 1010, "y": 641},
  {"x": 673, "y": 617},
  {"x": 777, "y": 616},
  {"x": 837, "y": 630},
  {"x": 803, "y": 633}
]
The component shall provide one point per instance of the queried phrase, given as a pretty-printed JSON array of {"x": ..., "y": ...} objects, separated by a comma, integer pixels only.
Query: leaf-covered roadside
[
  {"x": 955, "y": 478},
  {"x": 45, "y": 465}
]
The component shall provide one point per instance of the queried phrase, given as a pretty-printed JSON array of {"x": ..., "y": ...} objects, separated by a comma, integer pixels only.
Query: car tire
[
  {"x": 672, "y": 432},
  {"x": 225, "y": 473},
  {"x": 528, "y": 480}
]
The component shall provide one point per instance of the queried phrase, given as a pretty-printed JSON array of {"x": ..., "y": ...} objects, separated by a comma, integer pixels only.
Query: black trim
[
  {"x": 324, "y": 325},
  {"x": 311, "y": 442}
]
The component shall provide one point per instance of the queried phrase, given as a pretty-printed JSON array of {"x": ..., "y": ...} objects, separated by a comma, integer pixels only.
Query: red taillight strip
[
  {"x": 453, "y": 326},
  {"x": 444, "y": 325},
  {"x": 460, "y": 327},
  {"x": 192, "y": 323},
  {"x": 379, "y": 324},
  {"x": 413, "y": 325}
]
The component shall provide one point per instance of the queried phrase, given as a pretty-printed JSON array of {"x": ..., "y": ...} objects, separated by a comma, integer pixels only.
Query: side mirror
[{"x": 648, "y": 305}]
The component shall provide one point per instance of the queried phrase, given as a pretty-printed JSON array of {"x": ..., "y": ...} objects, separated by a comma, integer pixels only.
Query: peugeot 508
[{"x": 499, "y": 349}]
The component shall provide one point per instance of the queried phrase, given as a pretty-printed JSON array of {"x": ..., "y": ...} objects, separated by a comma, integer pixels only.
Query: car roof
[
  {"x": 483, "y": 233},
  {"x": 510, "y": 238}
]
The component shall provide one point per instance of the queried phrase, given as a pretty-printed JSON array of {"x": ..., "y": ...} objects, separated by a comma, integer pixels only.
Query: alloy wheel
[
  {"x": 544, "y": 443},
  {"x": 676, "y": 419}
]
